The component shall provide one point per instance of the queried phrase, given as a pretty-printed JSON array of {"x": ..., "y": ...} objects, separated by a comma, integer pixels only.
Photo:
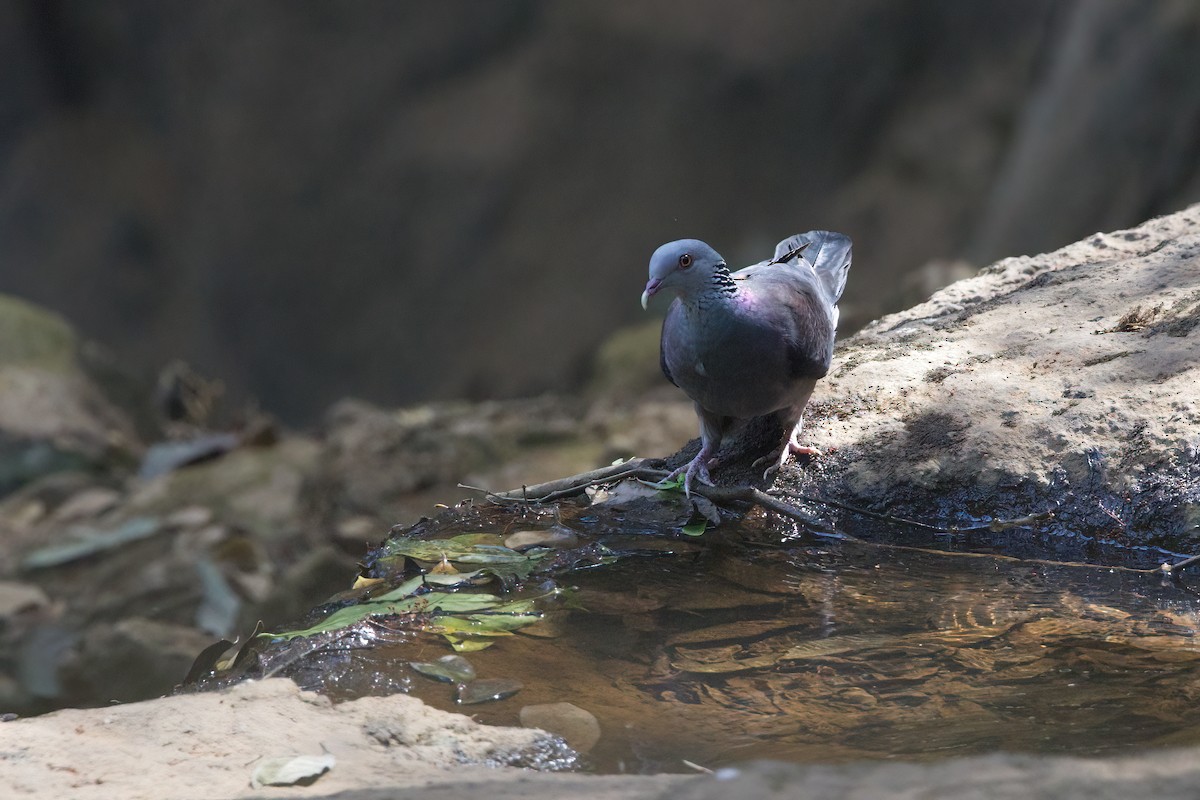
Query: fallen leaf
[{"x": 291, "y": 770}]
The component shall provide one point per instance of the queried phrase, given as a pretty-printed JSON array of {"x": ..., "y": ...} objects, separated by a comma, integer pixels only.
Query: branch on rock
[
  {"x": 639, "y": 468},
  {"x": 748, "y": 494},
  {"x": 576, "y": 484}
]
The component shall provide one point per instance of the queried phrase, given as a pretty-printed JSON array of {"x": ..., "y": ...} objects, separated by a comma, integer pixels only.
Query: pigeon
[{"x": 749, "y": 343}]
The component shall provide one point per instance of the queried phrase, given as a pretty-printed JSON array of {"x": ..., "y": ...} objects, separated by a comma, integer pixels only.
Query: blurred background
[
  {"x": 407, "y": 201},
  {"x": 402, "y": 202}
]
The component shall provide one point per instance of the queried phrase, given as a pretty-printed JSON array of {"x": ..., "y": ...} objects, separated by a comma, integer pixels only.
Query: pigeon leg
[
  {"x": 696, "y": 468},
  {"x": 790, "y": 443},
  {"x": 712, "y": 430}
]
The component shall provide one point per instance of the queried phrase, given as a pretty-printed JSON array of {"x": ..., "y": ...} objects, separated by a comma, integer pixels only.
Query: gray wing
[{"x": 798, "y": 296}]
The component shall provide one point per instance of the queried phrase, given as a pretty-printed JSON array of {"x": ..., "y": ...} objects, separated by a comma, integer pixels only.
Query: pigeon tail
[{"x": 829, "y": 254}]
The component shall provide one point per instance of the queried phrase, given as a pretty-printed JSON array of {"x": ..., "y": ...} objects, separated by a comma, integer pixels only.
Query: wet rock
[{"x": 858, "y": 697}]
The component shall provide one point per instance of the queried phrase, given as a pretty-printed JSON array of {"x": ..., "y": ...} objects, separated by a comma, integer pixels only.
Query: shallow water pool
[{"x": 719, "y": 650}]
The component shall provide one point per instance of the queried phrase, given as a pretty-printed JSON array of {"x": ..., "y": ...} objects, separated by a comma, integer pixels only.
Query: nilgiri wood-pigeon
[{"x": 749, "y": 343}]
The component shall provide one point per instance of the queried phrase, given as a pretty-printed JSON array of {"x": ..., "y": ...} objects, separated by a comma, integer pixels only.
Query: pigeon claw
[
  {"x": 777, "y": 458},
  {"x": 697, "y": 470},
  {"x": 776, "y": 463}
]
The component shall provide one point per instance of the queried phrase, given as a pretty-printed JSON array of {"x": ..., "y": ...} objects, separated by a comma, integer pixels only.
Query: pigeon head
[{"x": 684, "y": 267}]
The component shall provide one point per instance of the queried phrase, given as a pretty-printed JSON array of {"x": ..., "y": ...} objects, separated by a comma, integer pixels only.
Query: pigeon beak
[{"x": 652, "y": 288}]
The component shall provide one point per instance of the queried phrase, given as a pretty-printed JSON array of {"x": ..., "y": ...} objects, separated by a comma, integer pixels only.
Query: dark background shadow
[{"x": 405, "y": 201}]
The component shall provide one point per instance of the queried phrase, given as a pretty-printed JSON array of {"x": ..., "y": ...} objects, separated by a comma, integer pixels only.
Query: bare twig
[
  {"x": 1177, "y": 567},
  {"x": 575, "y": 484}
]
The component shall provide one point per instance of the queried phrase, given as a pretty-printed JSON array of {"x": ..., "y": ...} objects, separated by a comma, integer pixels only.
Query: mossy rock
[{"x": 31, "y": 336}]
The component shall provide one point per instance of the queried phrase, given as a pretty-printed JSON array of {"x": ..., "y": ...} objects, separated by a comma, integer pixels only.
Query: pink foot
[{"x": 778, "y": 457}]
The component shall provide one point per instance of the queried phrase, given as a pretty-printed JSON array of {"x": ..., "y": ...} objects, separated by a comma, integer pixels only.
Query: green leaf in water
[
  {"x": 413, "y": 585},
  {"x": 459, "y": 616},
  {"x": 467, "y": 548},
  {"x": 498, "y": 622},
  {"x": 496, "y": 554},
  {"x": 507, "y": 574},
  {"x": 469, "y": 645},
  {"x": 477, "y": 631},
  {"x": 696, "y": 528},
  {"x": 417, "y": 606}
]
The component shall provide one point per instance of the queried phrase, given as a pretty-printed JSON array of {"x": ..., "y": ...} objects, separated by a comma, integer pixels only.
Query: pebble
[{"x": 577, "y": 726}]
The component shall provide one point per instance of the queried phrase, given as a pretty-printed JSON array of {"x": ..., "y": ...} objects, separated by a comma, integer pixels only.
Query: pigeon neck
[{"x": 720, "y": 288}]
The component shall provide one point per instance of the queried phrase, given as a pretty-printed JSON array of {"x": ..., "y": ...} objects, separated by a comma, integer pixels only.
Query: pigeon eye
[{"x": 685, "y": 261}]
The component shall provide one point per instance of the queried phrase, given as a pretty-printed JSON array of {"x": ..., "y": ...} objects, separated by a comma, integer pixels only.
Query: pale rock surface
[
  {"x": 399, "y": 749},
  {"x": 174, "y": 746},
  {"x": 1066, "y": 380}
]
